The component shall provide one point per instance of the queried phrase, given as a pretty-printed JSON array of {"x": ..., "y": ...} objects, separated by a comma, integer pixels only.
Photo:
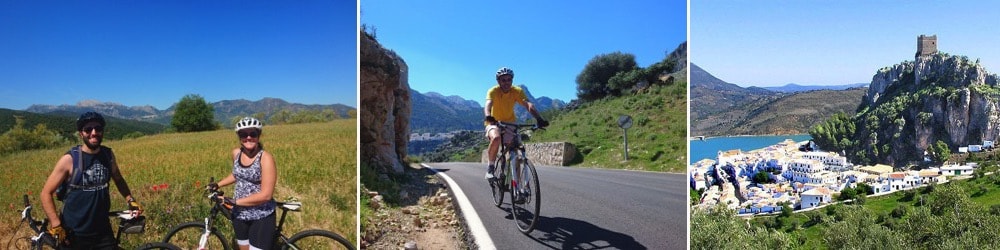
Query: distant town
[{"x": 802, "y": 178}]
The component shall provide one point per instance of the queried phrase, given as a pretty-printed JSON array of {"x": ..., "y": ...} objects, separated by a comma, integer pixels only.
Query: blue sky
[
  {"x": 155, "y": 52},
  {"x": 455, "y": 47},
  {"x": 772, "y": 43}
]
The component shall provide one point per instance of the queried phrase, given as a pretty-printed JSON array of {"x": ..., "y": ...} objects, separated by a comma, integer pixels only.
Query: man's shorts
[{"x": 508, "y": 135}]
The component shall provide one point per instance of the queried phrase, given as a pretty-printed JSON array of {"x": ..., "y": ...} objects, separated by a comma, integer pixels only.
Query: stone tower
[{"x": 926, "y": 46}]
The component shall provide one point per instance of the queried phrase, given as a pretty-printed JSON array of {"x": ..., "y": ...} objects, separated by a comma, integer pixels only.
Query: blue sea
[{"x": 710, "y": 147}]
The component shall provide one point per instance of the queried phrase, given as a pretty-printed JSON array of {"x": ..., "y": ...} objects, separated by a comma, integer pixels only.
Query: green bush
[
  {"x": 593, "y": 81},
  {"x": 19, "y": 138}
]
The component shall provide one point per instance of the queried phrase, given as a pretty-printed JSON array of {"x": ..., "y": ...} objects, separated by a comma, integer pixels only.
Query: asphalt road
[{"x": 584, "y": 208}]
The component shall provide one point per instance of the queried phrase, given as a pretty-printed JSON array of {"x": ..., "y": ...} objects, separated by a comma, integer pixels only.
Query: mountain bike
[
  {"x": 204, "y": 235},
  {"x": 526, "y": 197},
  {"x": 129, "y": 222}
]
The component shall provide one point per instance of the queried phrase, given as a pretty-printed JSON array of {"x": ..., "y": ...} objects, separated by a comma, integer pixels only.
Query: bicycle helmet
[
  {"x": 88, "y": 117},
  {"x": 248, "y": 122},
  {"x": 505, "y": 71}
]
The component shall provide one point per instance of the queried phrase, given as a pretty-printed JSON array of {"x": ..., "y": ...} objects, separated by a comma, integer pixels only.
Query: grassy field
[
  {"x": 657, "y": 140},
  {"x": 316, "y": 164}
]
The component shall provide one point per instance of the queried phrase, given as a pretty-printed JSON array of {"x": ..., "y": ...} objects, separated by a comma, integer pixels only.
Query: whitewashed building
[
  {"x": 956, "y": 170},
  {"x": 815, "y": 197}
]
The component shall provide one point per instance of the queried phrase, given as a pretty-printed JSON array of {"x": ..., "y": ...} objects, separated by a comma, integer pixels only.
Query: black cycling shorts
[{"x": 259, "y": 232}]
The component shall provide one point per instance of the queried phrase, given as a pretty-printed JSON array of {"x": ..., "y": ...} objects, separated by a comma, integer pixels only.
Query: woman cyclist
[{"x": 255, "y": 174}]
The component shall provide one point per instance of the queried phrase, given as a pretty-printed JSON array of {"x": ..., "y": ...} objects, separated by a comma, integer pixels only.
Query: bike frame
[
  {"x": 511, "y": 152},
  {"x": 43, "y": 237},
  {"x": 218, "y": 207}
]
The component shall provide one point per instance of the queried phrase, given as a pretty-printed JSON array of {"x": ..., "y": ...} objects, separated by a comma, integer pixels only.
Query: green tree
[
  {"x": 941, "y": 151},
  {"x": 864, "y": 189},
  {"x": 762, "y": 177},
  {"x": 592, "y": 82},
  {"x": 847, "y": 194},
  {"x": 786, "y": 210},
  {"x": 193, "y": 114}
]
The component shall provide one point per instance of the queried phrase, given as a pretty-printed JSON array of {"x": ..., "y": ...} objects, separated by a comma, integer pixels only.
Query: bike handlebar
[{"x": 530, "y": 126}]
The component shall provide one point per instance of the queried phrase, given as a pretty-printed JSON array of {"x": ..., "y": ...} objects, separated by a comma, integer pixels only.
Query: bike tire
[
  {"x": 497, "y": 183},
  {"x": 158, "y": 246},
  {"x": 317, "y": 239},
  {"x": 526, "y": 213},
  {"x": 187, "y": 236}
]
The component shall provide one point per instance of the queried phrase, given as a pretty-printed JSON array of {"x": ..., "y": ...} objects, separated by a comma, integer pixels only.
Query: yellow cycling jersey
[{"x": 503, "y": 103}]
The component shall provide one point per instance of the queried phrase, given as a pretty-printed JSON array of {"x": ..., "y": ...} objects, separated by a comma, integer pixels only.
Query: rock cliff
[
  {"x": 911, "y": 105},
  {"x": 385, "y": 107}
]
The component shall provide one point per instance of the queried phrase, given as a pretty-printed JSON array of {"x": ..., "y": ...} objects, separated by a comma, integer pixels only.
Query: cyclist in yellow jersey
[{"x": 500, "y": 102}]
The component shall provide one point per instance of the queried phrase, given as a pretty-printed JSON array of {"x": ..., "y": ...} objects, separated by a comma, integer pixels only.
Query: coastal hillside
[
  {"x": 914, "y": 104},
  {"x": 711, "y": 95},
  {"x": 784, "y": 115},
  {"x": 719, "y": 108}
]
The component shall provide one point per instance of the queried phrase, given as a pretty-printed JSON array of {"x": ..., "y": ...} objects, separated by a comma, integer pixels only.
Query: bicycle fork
[
  {"x": 516, "y": 179},
  {"x": 204, "y": 237}
]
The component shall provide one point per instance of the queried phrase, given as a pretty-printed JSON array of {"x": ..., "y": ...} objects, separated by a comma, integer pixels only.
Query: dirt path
[{"x": 425, "y": 216}]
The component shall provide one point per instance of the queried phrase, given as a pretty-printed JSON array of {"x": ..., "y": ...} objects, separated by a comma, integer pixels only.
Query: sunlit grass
[
  {"x": 316, "y": 164},
  {"x": 657, "y": 140}
]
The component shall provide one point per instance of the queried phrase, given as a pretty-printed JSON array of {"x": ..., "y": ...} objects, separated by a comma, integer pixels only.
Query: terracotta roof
[
  {"x": 897, "y": 175},
  {"x": 817, "y": 191},
  {"x": 929, "y": 173}
]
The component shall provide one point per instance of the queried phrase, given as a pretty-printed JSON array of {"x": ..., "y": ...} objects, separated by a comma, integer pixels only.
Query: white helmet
[
  {"x": 248, "y": 122},
  {"x": 505, "y": 71}
]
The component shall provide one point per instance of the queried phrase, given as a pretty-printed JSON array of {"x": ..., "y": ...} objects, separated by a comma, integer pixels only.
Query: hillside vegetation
[
  {"x": 781, "y": 114},
  {"x": 914, "y": 104},
  {"x": 167, "y": 173},
  {"x": 657, "y": 139},
  {"x": 65, "y": 124}
]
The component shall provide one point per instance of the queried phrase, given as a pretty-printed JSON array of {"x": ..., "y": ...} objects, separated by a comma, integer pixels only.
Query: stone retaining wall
[{"x": 546, "y": 153}]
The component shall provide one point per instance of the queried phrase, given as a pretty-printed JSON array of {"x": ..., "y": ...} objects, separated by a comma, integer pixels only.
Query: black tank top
[{"x": 85, "y": 209}]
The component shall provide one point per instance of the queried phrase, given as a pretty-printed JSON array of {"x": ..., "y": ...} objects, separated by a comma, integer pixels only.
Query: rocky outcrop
[
  {"x": 385, "y": 107},
  {"x": 914, "y": 104},
  {"x": 546, "y": 153}
]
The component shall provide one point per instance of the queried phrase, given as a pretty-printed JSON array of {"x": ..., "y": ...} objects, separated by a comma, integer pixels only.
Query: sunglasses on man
[{"x": 90, "y": 130}]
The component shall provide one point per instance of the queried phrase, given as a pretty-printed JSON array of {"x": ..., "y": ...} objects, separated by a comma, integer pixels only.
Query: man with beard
[{"x": 82, "y": 176}]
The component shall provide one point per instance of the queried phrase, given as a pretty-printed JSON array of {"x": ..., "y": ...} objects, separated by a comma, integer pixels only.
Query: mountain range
[
  {"x": 792, "y": 87},
  {"x": 436, "y": 113},
  {"x": 719, "y": 108},
  {"x": 225, "y": 110}
]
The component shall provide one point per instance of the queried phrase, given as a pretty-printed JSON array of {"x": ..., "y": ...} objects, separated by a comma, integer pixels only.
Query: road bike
[
  {"x": 129, "y": 222},
  {"x": 526, "y": 196},
  {"x": 204, "y": 235}
]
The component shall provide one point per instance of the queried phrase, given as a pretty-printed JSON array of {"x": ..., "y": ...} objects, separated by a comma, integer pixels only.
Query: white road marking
[{"x": 476, "y": 227}]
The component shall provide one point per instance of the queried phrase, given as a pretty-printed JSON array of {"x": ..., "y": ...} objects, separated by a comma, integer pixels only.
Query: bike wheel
[
  {"x": 526, "y": 211},
  {"x": 497, "y": 183},
  {"x": 317, "y": 239},
  {"x": 25, "y": 243},
  {"x": 188, "y": 236},
  {"x": 158, "y": 245}
]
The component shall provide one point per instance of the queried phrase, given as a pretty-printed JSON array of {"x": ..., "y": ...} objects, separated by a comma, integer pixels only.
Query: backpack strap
[{"x": 77, "y": 165}]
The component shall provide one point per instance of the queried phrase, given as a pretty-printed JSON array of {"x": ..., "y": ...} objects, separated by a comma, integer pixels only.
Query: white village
[{"x": 803, "y": 178}]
